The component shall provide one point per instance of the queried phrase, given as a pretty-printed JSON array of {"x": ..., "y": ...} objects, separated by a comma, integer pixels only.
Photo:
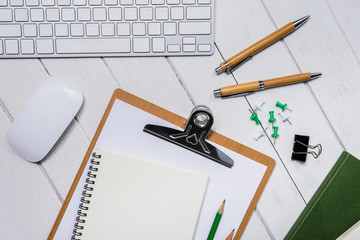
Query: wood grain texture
[
  {"x": 28, "y": 204},
  {"x": 326, "y": 109},
  {"x": 330, "y": 52},
  {"x": 65, "y": 157}
]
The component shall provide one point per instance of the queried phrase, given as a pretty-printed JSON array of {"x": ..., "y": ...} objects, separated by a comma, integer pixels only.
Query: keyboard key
[
  {"x": 142, "y": 2},
  {"x": 3, "y": 3},
  {"x": 204, "y": 1},
  {"x": 126, "y": 2},
  {"x": 45, "y": 30},
  {"x": 158, "y": 2},
  {"x": 187, "y": 2},
  {"x": 30, "y": 30},
  {"x": 89, "y": 45},
  {"x": 173, "y": 48},
  {"x": 11, "y": 47},
  {"x": 204, "y": 47},
  {"x": 95, "y": 2},
  {"x": 61, "y": 30},
  {"x": 63, "y": 2},
  {"x": 83, "y": 14},
  {"x": 139, "y": 29},
  {"x": 1, "y": 47},
  {"x": 79, "y": 2},
  {"x": 177, "y": 13},
  {"x": 48, "y": 2},
  {"x": 198, "y": 13},
  {"x": 44, "y": 46},
  {"x": 154, "y": 28},
  {"x": 13, "y": 30},
  {"x": 146, "y": 13},
  {"x": 6, "y": 15},
  {"x": 169, "y": 28},
  {"x": 32, "y": 3},
  {"x": 110, "y": 2},
  {"x": 21, "y": 15},
  {"x": 92, "y": 29},
  {"x": 68, "y": 14},
  {"x": 108, "y": 29},
  {"x": 114, "y": 14},
  {"x": 173, "y": 2},
  {"x": 130, "y": 14},
  {"x": 193, "y": 28},
  {"x": 16, "y": 3},
  {"x": 99, "y": 14},
  {"x": 161, "y": 13},
  {"x": 27, "y": 46},
  {"x": 141, "y": 45},
  {"x": 37, "y": 14},
  {"x": 189, "y": 48},
  {"x": 158, "y": 45},
  {"x": 189, "y": 40},
  {"x": 123, "y": 29},
  {"x": 77, "y": 29},
  {"x": 52, "y": 14}
]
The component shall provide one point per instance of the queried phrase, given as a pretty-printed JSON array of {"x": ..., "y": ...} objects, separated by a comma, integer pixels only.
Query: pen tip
[
  {"x": 301, "y": 21},
  {"x": 315, "y": 75},
  {"x": 224, "y": 200},
  {"x": 219, "y": 70}
]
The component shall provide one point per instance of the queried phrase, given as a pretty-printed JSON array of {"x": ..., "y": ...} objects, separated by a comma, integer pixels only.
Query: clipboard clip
[{"x": 193, "y": 137}]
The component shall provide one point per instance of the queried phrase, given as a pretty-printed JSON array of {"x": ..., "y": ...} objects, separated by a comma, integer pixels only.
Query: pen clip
[
  {"x": 239, "y": 95},
  {"x": 229, "y": 69}
]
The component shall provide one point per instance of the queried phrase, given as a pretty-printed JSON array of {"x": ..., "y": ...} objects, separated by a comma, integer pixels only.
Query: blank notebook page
[{"x": 137, "y": 199}]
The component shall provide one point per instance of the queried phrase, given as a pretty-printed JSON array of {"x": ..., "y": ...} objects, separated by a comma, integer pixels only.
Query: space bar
[{"x": 89, "y": 45}]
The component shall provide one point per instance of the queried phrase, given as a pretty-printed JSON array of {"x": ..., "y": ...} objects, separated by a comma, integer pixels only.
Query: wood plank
[
  {"x": 324, "y": 48},
  {"x": 346, "y": 15},
  {"x": 28, "y": 204},
  {"x": 20, "y": 79},
  {"x": 152, "y": 79},
  {"x": 266, "y": 66},
  {"x": 299, "y": 98}
]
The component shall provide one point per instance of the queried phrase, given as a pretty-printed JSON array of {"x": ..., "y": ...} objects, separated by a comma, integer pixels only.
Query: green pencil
[{"x": 216, "y": 222}]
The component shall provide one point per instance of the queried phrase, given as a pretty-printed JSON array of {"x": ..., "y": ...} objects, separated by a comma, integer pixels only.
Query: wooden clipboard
[{"x": 178, "y": 121}]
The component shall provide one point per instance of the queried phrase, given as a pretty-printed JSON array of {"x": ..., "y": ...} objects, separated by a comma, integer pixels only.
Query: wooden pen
[
  {"x": 245, "y": 88},
  {"x": 246, "y": 54}
]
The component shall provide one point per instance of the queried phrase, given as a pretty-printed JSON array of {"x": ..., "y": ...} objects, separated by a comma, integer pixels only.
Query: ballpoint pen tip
[
  {"x": 301, "y": 21},
  {"x": 315, "y": 75}
]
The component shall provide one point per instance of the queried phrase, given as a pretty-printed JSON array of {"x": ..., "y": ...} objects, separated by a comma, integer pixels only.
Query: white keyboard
[{"x": 84, "y": 28}]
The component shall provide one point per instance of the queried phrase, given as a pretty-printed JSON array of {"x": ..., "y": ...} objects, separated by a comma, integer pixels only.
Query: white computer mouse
[{"x": 44, "y": 118}]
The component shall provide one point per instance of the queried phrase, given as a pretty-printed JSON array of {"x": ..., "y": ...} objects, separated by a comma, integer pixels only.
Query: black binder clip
[
  {"x": 193, "y": 137},
  {"x": 300, "y": 148}
]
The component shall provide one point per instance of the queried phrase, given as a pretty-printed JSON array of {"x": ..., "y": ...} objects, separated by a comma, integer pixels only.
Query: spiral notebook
[
  {"x": 129, "y": 198},
  {"x": 121, "y": 131}
]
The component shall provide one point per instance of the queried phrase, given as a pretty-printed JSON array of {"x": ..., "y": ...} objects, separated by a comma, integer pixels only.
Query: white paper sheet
[{"x": 123, "y": 133}]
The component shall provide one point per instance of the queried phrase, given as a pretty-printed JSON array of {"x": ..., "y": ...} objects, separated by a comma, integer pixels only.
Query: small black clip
[
  {"x": 300, "y": 148},
  {"x": 193, "y": 137}
]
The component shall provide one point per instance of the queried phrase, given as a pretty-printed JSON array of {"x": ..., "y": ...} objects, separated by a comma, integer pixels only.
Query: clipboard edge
[{"x": 180, "y": 122}]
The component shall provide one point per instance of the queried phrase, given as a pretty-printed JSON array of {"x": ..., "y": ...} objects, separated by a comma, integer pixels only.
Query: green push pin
[
  {"x": 275, "y": 133},
  {"x": 282, "y": 106},
  {"x": 272, "y": 119},
  {"x": 254, "y": 117}
]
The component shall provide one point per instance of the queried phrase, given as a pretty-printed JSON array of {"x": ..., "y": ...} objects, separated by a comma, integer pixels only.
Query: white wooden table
[{"x": 327, "y": 109}]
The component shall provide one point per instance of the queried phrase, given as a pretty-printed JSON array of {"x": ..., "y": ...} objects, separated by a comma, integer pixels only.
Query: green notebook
[{"x": 335, "y": 206}]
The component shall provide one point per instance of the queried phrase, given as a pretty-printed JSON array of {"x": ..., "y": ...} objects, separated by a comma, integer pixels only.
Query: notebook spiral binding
[{"x": 86, "y": 194}]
